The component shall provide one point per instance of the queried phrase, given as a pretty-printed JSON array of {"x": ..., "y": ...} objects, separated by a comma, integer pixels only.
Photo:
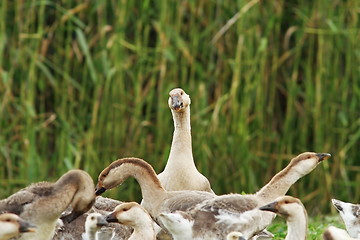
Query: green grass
[
  {"x": 316, "y": 227},
  {"x": 85, "y": 83}
]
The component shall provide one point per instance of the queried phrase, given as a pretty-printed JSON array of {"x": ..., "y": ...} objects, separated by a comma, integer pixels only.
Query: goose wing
[
  {"x": 235, "y": 203},
  {"x": 185, "y": 200},
  {"x": 16, "y": 202}
]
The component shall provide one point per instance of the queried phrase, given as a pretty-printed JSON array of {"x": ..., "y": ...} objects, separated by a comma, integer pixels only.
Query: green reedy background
[{"x": 83, "y": 83}]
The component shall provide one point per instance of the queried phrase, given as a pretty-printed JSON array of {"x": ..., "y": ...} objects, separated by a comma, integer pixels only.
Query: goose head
[
  {"x": 12, "y": 225},
  {"x": 84, "y": 196},
  {"x": 94, "y": 221},
  {"x": 235, "y": 236},
  {"x": 350, "y": 214},
  {"x": 286, "y": 206},
  {"x": 178, "y": 100},
  {"x": 120, "y": 170},
  {"x": 127, "y": 214},
  {"x": 304, "y": 163}
]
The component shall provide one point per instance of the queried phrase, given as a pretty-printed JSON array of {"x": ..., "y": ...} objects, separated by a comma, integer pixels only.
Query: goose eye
[
  {"x": 182, "y": 93},
  {"x": 92, "y": 218},
  {"x": 8, "y": 220},
  {"x": 125, "y": 209}
]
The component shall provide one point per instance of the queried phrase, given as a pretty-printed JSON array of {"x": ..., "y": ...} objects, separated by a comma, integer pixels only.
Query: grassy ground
[{"x": 316, "y": 227}]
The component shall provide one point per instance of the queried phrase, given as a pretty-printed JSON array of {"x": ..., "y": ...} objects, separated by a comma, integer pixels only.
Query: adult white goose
[
  {"x": 215, "y": 213},
  {"x": 216, "y": 217},
  {"x": 180, "y": 172},
  {"x": 133, "y": 215},
  {"x": 295, "y": 214},
  {"x": 42, "y": 203},
  {"x": 93, "y": 223},
  {"x": 11, "y": 225},
  {"x": 334, "y": 233},
  {"x": 350, "y": 214}
]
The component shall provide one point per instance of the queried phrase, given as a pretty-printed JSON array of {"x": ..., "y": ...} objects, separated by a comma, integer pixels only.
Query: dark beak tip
[
  {"x": 270, "y": 207},
  {"x": 111, "y": 219},
  {"x": 27, "y": 227},
  {"x": 99, "y": 191},
  {"x": 102, "y": 224},
  {"x": 323, "y": 156}
]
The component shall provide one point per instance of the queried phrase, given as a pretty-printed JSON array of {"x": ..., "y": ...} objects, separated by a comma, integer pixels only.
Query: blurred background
[{"x": 83, "y": 83}]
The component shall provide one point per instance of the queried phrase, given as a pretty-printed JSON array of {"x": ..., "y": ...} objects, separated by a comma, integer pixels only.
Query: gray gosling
[
  {"x": 43, "y": 203},
  {"x": 180, "y": 172},
  {"x": 135, "y": 216},
  {"x": 11, "y": 225},
  {"x": 350, "y": 214},
  {"x": 295, "y": 214},
  {"x": 93, "y": 223}
]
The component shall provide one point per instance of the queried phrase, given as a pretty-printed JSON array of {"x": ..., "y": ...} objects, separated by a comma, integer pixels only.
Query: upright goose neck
[
  {"x": 297, "y": 227},
  {"x": 90, "y": 234},
  {"x": 181, "y": 143},
  {"x": 182, "y": 119},
  {"x": 279, "y": 184},
  {"x": 144, "y": 229}
]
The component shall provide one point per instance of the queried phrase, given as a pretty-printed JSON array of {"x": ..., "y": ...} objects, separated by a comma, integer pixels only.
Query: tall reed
[{"x": 85, "y": 83}]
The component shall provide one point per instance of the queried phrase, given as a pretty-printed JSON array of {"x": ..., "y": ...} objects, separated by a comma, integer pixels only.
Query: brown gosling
[{"x": 43, "y": 203}]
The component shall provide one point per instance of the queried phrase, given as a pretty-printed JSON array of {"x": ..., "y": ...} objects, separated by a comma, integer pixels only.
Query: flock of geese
[{"x": 176, "y": 204}]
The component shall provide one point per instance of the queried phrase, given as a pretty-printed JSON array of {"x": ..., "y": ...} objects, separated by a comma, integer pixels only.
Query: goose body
[
  {"x": 216, "y": 217},
  {"x": 334, "y": 233},
  {"x": 295, "y": 214},
  {"x": 155, "y": 198},
  {"x": 133, "y": 215},
  {"x": 180, "y": 172},
  {"x": 350, "y": 214},
  {"x": 11, "y": 225},
  {"x": 42, "y": 203},
  {"x": 93, "y": 223}
]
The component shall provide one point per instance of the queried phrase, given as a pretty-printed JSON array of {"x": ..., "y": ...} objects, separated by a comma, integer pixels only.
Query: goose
[
  {"x": 93, "y": 223},
  {"x": 350, "y": 214},
  {"x": 135, "y": 216},
  {"x": 42, "y": 203},
  {"x": 103, "y": 206},
  {"x": 11, "y": 225},
  {"x": 180, "y": 172},
  {"x": 235, "y": 236},
  {"x": 334, "y": 233},
  {"x": 295, "y": 214},
  {"x": 216, "y": 217},
  {"x": 155, "y": 198}
]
